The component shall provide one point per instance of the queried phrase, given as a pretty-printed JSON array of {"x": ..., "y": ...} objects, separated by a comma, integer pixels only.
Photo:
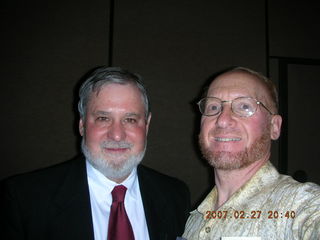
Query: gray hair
[{"x": 106, "y": 75}]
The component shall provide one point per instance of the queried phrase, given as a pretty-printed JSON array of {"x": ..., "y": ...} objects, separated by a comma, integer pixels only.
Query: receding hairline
[{"x": 267, "y": 85}]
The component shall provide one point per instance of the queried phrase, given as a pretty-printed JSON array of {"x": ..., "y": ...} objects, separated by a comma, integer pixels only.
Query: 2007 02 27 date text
[{"x": 255, "y": 214}]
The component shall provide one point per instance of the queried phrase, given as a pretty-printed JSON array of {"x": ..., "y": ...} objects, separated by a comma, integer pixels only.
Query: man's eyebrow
[
  {"x": 129, "y": 114},
  {"x": 132, "y": 114},
  {"x": 101, "y": 113}
]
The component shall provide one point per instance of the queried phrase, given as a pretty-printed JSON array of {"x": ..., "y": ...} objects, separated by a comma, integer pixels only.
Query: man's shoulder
[
  {"x": 159, "y": 179},
  {"x": 152, "y": 173},
  {"x": 288, "y": 192},
  {"x": 44, "y": 177},
  {"x": 164, "y": 190},
  {"x": 284, "y": 186},
  {"x": 295, "y": 187}
]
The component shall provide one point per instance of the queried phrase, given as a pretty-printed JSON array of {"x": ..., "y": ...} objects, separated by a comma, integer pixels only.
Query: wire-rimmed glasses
[{"x": 241, "y": 106}]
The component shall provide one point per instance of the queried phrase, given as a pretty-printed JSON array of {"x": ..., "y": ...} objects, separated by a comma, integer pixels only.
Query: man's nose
[
  {"x": 116, "y": 132},
  {"x": 226, "y": 117}
]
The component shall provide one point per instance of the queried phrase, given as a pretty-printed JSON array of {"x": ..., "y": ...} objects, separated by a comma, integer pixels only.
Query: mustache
[
  {"x": 114, "y": 144},
  {"x": 222, "y": 131}
]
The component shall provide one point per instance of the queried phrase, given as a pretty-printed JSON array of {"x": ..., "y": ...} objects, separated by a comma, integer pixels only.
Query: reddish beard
[{"x": 225, "y": 160}]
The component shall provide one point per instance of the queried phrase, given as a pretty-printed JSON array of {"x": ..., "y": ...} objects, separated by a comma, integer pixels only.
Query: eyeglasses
[{"x": 241, "y": 106}]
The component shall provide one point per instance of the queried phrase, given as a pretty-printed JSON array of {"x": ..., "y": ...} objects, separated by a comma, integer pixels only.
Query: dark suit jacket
[{"x": 54, "y": 203}]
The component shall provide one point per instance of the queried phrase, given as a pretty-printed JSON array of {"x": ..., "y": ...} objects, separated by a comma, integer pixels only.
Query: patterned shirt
[{"x": 269, "y": 206}]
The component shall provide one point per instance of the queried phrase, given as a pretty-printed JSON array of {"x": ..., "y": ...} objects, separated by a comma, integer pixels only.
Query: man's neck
[{"x": 228, "y": 182}]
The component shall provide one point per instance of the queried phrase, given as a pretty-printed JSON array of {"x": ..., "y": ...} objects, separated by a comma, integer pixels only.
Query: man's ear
[
  {"x": 81, "y": 127},
  {"x": 275, "y": 130},
  {"x": 148, "y": 123}
]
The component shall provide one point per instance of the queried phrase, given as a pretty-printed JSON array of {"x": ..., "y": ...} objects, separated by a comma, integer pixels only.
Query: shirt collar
[
  {"x": 105, "y": 185},
  {"x": 264, "y": 177}
]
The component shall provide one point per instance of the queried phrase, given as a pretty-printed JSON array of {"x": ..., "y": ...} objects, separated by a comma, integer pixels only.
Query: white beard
[{"x": 109, "y": 169}]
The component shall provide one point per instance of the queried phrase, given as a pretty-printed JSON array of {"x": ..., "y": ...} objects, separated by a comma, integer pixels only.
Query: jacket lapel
[
  {"x": 71, "y": 211},
  {"x": 154, "y": 205}
]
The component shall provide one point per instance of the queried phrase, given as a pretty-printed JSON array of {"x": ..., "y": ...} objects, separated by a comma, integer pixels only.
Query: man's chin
[
  {"x": 115, "y": 170},
  {"x": 116, "y": 161},
  {"x": 116, "y": 164},
  {"x": 113, "y": 166},
  {"x": 227, "y": 161}
]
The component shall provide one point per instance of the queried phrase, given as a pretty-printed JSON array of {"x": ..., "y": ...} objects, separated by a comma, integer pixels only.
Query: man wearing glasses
[{"x": 251, "y": 200}]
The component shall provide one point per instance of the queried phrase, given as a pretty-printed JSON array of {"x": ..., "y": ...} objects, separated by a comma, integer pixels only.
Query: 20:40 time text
[{"x": 256, "y": 214}]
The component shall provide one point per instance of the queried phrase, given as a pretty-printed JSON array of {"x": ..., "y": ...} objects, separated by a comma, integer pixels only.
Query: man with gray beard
[
  {"x": 106, "y": 193},
  {"x": 251, "y": 200}
]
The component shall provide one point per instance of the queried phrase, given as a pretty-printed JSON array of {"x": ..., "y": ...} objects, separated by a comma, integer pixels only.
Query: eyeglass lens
[{"x": 242, "y": 106}]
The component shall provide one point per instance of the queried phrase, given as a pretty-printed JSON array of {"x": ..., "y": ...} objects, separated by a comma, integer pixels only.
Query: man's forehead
[
  {"x": 117, "y": 96},
  {"x": 117, "y": 91},
  {"x": 236, "y": 82},
  {"x": 113, "y": 85}
]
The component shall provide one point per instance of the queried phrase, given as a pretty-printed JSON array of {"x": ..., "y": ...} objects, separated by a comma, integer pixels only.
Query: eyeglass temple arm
[{"x": 260, "y": 103}]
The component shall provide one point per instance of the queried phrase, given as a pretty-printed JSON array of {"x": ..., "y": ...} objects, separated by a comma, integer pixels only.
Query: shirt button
[{"x": 208, "y": 229}]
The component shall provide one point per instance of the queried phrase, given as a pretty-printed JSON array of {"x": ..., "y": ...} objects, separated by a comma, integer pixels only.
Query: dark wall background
[{"x": 46, "y": 47}]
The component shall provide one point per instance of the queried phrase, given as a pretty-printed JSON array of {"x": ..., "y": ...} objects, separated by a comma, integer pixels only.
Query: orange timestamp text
[{"x": 255, "y": 214}]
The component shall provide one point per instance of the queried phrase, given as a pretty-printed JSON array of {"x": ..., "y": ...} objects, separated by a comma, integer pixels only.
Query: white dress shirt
[{"x": 100, "y": 189}]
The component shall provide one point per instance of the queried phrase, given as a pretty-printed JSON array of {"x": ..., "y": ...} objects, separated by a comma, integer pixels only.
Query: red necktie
[{"x": 119, "y": 224}]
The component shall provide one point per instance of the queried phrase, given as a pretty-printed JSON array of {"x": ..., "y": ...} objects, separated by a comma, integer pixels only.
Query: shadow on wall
[{"x": 300, "y": 176}]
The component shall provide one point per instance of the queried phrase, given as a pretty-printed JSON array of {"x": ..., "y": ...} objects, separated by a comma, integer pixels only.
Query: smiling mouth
[
  {"x": 219, "y": 139},
  {"x": 119, "y": 150},
  {"x": 116, "y": 148}
]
